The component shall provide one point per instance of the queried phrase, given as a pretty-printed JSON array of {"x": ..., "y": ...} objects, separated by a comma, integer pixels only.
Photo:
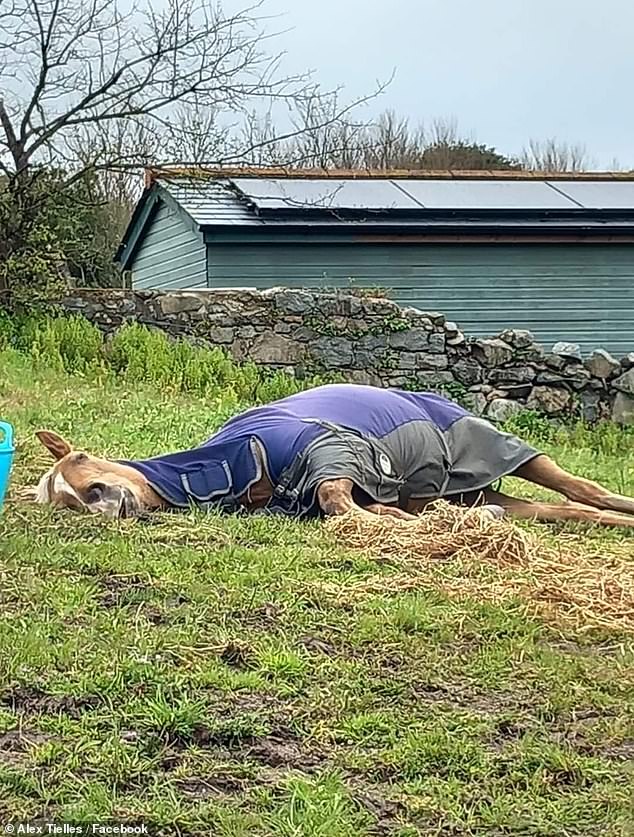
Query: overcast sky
[{"x": 507, "y": 70}]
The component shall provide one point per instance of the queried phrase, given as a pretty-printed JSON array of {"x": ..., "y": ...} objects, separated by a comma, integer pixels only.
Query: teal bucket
[{"x": 6, "y": 457}]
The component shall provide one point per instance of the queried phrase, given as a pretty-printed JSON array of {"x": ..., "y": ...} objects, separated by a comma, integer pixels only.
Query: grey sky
[{"x": 507, "y": 71}]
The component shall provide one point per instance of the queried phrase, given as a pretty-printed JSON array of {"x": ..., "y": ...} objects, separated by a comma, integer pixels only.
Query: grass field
[{"x": 192, "y": 675}]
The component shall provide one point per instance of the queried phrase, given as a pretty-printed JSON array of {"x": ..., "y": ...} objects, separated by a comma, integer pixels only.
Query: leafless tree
[
  {"x": 92, "y": 91},
  {"x": 259, "y": 140},
  {"x": 325, "y": 135},
  {"x": 75, "y": 71},
  {"x": 392, "y": 144},
  {"x": 550, "y": 155}
]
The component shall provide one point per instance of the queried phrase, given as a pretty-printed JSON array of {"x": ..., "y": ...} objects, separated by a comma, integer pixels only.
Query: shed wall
[
  {"x": 580, "y": 293},
  {"x": 172, "y": 255}
]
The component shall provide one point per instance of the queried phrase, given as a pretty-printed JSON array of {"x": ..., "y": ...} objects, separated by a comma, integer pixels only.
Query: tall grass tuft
[
  {"x": 142, "y": 355},
  {"x": 66, "y": 343}
]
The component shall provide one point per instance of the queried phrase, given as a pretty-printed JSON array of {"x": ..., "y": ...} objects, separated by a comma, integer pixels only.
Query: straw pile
[{"x": 494, "y": 560}]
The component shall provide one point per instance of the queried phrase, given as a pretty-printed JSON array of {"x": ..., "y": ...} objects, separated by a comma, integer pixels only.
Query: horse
[{"x": 326, "y": 451}]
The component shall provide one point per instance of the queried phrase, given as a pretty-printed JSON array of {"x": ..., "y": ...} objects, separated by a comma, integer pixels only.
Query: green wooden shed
[{"x": 491, "y": 250}]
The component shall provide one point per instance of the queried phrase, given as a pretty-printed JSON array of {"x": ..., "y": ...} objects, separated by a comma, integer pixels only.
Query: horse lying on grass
[{"x": 326, "y": 451}]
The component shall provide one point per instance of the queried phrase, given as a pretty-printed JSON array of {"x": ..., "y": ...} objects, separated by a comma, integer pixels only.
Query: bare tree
[
  {"x": 392, "y": 144},
  {"x": 551, "y": 155},
  {"x": 259, "y": 140},
  {"x": 93, "y": 90},
  {"x": 326, "y": 136},
  {"x": 72, "y": 69},
  {"x": 445, "y": 132}
]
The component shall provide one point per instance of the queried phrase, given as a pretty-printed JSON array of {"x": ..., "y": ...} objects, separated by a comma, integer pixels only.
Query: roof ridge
[{"x": 211, "y": 172}]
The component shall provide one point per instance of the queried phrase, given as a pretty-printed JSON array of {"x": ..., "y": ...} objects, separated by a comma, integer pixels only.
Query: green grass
[{"x": 190, "y": 674}]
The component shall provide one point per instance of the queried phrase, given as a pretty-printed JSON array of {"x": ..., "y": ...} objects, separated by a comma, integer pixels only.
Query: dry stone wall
[{"x": 373, "y": 340}]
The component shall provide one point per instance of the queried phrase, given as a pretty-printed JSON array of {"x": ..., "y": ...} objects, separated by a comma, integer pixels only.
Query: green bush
[
  {"x": 605, "y": 437},
  {"x": 142, "y": 355},
  {"x": 55, "y": 229},
  {"x": 69, "y": 343},
  {"x": 7, "y": 330}
]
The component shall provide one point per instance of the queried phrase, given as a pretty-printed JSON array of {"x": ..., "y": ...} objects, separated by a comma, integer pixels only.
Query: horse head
[{"x": 87, "y": 483}]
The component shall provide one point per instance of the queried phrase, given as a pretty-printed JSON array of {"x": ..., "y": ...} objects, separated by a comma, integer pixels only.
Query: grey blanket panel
[
  {"x": 481, "y": 454},
  {"x": 478, "y": 454},
  {"x": 471, "y": 455},
  {"x": 416, "y": 460},
  {"x": 338, "y": 454}
]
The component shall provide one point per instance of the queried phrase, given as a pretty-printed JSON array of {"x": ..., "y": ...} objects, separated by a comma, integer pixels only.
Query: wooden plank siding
[
  {"x": 582, "y": 294},
  {"x": 172, "y": 254}
]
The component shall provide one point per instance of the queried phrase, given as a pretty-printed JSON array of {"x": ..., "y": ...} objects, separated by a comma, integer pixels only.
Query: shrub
[
  {"x": 7, "y": 330},
  {"x": 142, "y": 355},
  {"x": 70, "y": 341}
]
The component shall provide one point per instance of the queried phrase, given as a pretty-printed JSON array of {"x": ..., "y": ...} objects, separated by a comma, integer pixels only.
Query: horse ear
[{"x": 54, "y": 443}]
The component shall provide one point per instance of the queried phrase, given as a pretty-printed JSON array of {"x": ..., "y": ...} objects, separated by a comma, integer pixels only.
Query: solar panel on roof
[
  {"x": 475, "y": 194},
  {"x": 600, "y": 194},
  {"x": 324, "y": 194}
]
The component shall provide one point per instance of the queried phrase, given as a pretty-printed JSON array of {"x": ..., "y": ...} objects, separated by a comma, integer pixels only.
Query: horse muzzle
[{"x": 116, "y": 502}]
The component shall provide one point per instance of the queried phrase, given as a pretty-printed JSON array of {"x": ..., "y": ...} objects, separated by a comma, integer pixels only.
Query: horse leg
[
  {"x": 545, "y": 472},
  {"x": 335, "y": 498},
  {"x": 556, "y": 512}
]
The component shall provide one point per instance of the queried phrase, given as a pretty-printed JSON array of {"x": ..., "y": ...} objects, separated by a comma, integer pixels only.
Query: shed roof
[{"x": 416, "y": 200}]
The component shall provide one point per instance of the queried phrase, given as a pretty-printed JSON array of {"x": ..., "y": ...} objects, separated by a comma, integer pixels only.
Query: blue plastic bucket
[{"x": 6, "y": 457}]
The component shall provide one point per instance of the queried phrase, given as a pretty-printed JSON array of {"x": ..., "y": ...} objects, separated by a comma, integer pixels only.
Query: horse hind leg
[
  {"x": 558, "y": 512},
  {"x": 545, "y": 472}
]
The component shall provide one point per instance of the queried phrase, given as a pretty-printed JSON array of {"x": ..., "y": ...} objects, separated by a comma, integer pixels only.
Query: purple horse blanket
[{"x": 391, "y": 443}]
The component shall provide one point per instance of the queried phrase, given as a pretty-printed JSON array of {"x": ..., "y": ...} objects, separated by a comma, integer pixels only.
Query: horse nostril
[{"x": 128, "y": 507}]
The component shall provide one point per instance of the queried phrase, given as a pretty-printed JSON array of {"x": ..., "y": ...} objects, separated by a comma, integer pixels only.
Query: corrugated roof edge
[{"x": 211, "y": 172}]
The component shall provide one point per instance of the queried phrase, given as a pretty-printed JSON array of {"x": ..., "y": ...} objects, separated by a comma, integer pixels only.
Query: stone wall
[{"x": 373, "y": 340}]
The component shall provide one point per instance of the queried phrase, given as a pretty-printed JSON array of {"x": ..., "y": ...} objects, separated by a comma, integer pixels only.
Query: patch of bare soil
[
  {"x": 230, "y": 738},
  {"x": 31, "y": 700},
  {"x": 280, "y": 751},
  {"x": 119, "y": 589},
  {"x": 273, "y": 758},
  {"x": 237, "y": 655},
  {"x": 624, "y": 751},
  {"x": 209, "y": 787},
  {"x": 241, "y": 703},
  {"x": 386, "y": 811},
  {"x": 510, "y": 730},
  {"x": 264, "y": 617},
  {"x": 15, "y": 744},
  {"x": 318, "y": 645}
]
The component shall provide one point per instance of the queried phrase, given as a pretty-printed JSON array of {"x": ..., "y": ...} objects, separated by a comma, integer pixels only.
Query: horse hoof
[{"x": 496, "y": 512}]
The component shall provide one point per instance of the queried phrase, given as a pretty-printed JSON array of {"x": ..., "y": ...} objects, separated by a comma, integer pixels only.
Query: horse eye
[
  {"x": 95, "y": 492},
  {"x": 81, "y": 457}
]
